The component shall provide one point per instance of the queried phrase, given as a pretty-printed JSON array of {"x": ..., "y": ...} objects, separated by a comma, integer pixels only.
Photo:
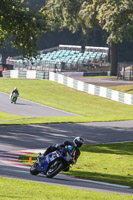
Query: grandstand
[{"x": 63, "y": 58}]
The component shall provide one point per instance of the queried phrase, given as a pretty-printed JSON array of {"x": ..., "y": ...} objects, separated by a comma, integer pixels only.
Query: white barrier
[
  {"x": 70, "y": 82},
  {"x": 92, "y": 89}
]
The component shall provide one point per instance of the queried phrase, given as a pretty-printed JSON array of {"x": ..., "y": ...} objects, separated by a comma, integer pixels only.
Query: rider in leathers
[
  {"x": 15, "y": 90},
  {"x": 77, "y": 143}
]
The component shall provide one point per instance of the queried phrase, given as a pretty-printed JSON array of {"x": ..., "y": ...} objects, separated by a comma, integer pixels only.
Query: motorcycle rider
[
  {"x": 15, "y": 90},
  {"x": 76, "y": 144}
]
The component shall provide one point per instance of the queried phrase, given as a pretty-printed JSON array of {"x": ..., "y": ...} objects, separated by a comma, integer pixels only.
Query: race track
[
  {"x": 28, "y": 108},
  {"x": 37, "y": 137}
]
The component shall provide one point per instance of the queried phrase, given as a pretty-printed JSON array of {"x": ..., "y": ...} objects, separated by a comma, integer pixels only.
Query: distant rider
[
  {"x": 15, "y": 90},
  {"x": 76, "y": 144}
]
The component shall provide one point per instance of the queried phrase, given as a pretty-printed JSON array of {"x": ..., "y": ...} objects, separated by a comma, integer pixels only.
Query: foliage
[
  {"x": 116, "y": 17},
  {"x": 64, "y": 13},
  {"x": 34, "y": 4},
  {"x": 22, "y": 25}
]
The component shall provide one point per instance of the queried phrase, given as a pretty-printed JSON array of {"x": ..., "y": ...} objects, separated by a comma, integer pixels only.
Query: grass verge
[
  {"x": 27, "y": 190},
  {"x": 123, "y": 88},
  {"x": 112, "y": 163},
  {"x": 89, "y": 107}
]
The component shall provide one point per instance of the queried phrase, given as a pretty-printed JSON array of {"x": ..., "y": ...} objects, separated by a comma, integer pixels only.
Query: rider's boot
[{"x": 39, "y": 157}]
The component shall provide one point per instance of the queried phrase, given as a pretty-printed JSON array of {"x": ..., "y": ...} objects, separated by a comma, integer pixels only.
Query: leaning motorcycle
[
  {"x": 54, "y": 162},
  {"x": 14, "y": 98}
]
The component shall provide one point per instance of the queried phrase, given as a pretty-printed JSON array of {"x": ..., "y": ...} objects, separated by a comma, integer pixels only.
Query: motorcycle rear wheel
[
  {"x": 54, "y": 169},
  {"x": 33, "y": 169}
]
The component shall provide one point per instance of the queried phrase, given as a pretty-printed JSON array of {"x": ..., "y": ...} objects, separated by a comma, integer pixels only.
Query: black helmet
[{"x": 78, "y": 141}]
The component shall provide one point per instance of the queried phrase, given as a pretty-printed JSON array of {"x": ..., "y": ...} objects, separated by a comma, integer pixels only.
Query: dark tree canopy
[
  {"x": 22, "y": 23},
  {"x": 115, "y": 17},
  {"x": 23, "y": 26}
]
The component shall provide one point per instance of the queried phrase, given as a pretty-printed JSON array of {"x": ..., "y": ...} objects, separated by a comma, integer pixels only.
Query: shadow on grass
[
  {"x": 119, "y": 148},
  {"x": 13, "y": 197},
  {"x": 116, "y": 179}
]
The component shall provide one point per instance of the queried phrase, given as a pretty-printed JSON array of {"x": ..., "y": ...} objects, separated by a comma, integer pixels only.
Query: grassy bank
[
  {"x": 27, "y": 190},
  {"x": 123, "y": 88},
  {"x": 111, "y": 163},
  {"x": 89, "y": 107}
]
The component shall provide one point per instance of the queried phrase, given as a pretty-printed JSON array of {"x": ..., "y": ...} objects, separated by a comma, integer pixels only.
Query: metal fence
[
  {"x": 63, "y": 58},
  {"x": 125, "y": 71}
]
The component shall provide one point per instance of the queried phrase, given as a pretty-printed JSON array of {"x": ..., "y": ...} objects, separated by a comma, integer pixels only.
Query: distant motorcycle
[
  {"x": 53, "y": 163},
  {"x": 14, "y": 98}
]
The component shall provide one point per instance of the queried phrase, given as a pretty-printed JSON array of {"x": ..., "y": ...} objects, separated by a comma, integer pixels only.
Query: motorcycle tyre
[
  {"x": 14, "y": 100},
  {"x": 55, "y": 172},
  {"x": 34, "y": 171}
]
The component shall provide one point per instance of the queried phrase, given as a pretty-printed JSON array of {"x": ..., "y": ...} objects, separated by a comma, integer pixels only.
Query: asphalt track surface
[
  {"x": 27, "y": 108},
  {"x": 104, "y": 81},
  {"x": 17, "y": 138}
]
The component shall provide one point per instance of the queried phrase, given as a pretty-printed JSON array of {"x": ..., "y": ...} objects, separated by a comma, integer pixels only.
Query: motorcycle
[
  {"x": 14, "y": 98},
  {"x": 53, "y": 163}
]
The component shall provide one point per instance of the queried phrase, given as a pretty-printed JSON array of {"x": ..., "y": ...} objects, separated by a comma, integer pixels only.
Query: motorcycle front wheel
[
  {"x": 54, "y": 169},
  {"x": 33, "y": 169},
  {"x": 15, "y": 99}
]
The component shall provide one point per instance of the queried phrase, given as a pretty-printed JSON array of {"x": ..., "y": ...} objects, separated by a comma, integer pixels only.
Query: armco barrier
[
  {"x": 92, "y": 89},
  {"x": 6, "y": 73},
  {"x": 29, "y": 74},
  {"x": 75, "y": 84},
  {"x": 102, "y": 73}
]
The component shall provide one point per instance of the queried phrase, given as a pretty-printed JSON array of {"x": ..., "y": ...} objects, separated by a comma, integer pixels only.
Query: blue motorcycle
[{"x": 54, "y": 162}]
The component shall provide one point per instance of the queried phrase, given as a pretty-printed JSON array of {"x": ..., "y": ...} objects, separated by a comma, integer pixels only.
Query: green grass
[
  {"x": 112, "y": 163},
  {"x": 90, "y": 107},
  {"x": 8, "y": 117},
  {"x": 97, "y": 162},
  {"x": 27, "y": 190},
  {"x": 123, "y": 88}
]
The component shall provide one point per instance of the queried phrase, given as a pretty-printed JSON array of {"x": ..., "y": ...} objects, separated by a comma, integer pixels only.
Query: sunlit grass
[
  {"x": 27, "y": 190},
  {"x": 111, "y": 163},
  {"x": 123, "y": 88},
  {"x": 89, "y": 107}
]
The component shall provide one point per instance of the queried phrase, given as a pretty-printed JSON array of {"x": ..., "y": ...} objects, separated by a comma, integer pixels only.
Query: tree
[
  {"x": 116, "y": 17},
  {"x": 21, "y": 25}
]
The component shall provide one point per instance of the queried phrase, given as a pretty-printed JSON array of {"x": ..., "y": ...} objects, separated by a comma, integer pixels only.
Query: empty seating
[{"x": 66, "y": 54}]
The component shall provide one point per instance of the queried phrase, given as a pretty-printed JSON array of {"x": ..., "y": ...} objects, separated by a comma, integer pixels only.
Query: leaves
[
  {"x": 115, "y": 17},
  {"x": 18, "y": 22},
  {"x": 64, "y": 13},
  {"x": 115, "y": 21}
]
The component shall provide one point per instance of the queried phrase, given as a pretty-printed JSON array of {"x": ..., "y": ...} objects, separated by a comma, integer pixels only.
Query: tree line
[{"x": 23, "y": 23}]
